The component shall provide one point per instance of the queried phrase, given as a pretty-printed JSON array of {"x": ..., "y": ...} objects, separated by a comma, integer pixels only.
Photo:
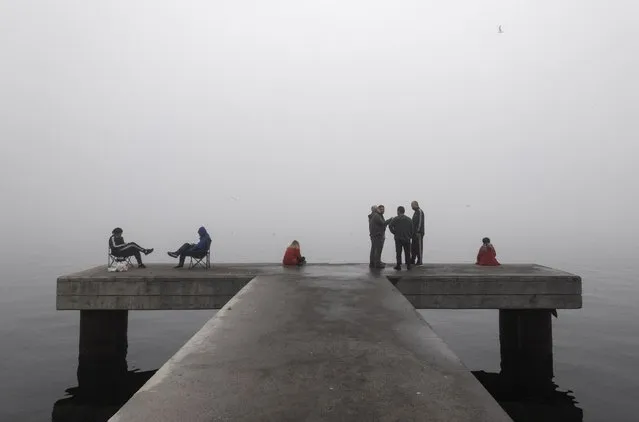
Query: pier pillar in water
[
  {"x": 525, "y": 338},
  {"x": 102, "y": 365}
]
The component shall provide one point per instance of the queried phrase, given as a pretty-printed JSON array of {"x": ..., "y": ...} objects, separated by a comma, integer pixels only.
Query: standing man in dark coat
[
  {"x": 371, "y": 262},
  {"x": 377, "y": 229},
  {"x": 417, "y": 247},
  {"x": 402, "y": 227}
]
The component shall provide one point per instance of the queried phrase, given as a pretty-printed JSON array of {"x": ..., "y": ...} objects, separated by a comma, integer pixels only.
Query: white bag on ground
[{"x": 118, "y": 267}]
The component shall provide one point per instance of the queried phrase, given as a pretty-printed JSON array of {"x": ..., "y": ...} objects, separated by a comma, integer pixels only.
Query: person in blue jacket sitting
[{"x": 196, "y": 250}]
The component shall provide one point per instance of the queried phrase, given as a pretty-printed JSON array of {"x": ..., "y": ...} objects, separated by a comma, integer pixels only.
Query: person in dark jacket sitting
[
  {"x": 196, "y": 250},
  {"x": 402, "y": 227},
  {"x": 119, "y": 248}
]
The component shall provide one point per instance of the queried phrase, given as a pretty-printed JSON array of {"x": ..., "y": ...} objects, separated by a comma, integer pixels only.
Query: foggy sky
[{"x": 271, "y": 120}]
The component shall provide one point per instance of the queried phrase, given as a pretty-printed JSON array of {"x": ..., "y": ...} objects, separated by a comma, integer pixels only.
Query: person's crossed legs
[{"x": 181, "y": 253}]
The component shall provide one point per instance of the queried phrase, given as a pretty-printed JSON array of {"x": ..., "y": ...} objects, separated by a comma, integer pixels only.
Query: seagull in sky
[{"x": 500, "y": 31}]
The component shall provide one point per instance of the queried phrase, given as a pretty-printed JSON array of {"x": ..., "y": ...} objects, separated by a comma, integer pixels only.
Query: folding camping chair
[
  {"x": 112, "y": 259},
  {"x": 203, "y": 260}
]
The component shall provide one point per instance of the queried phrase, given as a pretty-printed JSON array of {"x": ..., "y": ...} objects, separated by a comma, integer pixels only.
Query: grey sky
[{"x": 273, "y": 120}]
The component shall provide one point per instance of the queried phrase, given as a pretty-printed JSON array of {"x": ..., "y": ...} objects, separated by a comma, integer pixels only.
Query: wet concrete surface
[{"x": 295, "y": 347}]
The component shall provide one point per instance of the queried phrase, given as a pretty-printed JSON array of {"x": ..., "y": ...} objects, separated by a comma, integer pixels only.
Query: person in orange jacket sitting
[
  {"x": 293, "y": 256},
  {"x": 487, "y": 254}
]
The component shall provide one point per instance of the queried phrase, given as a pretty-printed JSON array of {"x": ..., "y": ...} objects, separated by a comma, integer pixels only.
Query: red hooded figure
[
  {"x": 487, "y": 254},
  {"x": 293, "y": 255}
]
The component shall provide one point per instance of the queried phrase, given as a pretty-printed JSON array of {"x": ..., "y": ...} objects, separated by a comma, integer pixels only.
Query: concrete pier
[
  {"x": 294, "y": 348},
  {"x": 321, "y": 342}
]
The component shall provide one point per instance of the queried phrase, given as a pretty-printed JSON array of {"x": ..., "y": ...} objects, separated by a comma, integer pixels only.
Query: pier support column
[
  {"x": 525, "y": 338},
  {"x": 102, "y": 362}
]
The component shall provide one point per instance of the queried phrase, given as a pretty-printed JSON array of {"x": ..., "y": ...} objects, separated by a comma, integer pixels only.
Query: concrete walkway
[{"x": 304, "y": 347}]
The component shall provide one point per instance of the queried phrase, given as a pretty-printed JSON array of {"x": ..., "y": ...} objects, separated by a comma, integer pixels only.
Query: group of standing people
[{"x": 408, "y": 233}]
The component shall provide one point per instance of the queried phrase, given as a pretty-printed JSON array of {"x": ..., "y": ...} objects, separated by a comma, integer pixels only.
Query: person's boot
[
  {"x": 179, "y": 265},
  {"x": 398, "y": 267},
  {"x": 380, "y": 265},
  {"x": 408, "y": 266},
  {"x": 172, "y": 254},
  {"x": 140, "y": 265},
  {"x": 148, "y": 251}
]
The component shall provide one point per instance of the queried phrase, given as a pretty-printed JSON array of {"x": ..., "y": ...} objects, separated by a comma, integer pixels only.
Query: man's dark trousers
[
  {"x": 371, "y": 261},
  {"x": 377, "y": 244},
  {"x": 417, "y": 248},
  {"x": 405, "y": 246}
]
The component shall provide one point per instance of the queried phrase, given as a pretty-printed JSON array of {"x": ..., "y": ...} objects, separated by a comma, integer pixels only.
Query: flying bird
[{"x": 500, "y": 31}]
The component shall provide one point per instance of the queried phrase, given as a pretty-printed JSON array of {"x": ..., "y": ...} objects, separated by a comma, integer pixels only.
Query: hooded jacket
[
  {"x": 205, "y": 240},
  {"x": 292, "y": 256},
  {"x": 487, "y": 255},
  {"x": 377, "y": 225}
]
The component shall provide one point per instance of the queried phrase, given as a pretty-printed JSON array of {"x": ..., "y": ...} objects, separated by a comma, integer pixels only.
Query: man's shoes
[
  {"x": 408, "y": 266},
  {"x": 380, "y": 266},
  {"x": 179, "y": 266},
  {"x": 172, "y": 254},
  {"x": 141, "y": 266},
  {"x": 397, "y": 267},
  {"x": 148, "y": 251},
  {"x": 419, "y": 263}
]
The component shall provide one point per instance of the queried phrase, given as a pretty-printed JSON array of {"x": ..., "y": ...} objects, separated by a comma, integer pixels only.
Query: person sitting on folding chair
[
  {"x": 119, "y": 249},
  {"x": 195, "y": 250}
]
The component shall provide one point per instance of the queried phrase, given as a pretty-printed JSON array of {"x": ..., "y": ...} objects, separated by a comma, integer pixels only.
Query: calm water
[{"x": 596, "y": 348}]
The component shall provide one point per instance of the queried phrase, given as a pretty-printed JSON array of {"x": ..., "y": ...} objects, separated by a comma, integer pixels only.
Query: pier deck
[
  {"x": 298, "y": 347},
  {"x": 432, "y": 286}
]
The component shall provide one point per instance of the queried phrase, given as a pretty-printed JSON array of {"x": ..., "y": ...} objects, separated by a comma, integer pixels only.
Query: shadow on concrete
[
  {"x": 548, "y": 405},
  {"x": 98, "y": 405}
]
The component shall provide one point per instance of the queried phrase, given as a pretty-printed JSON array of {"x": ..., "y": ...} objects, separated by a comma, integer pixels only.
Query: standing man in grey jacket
[
  {"x": 417, "y": 245},
  {"x": 377, "y": 229}
]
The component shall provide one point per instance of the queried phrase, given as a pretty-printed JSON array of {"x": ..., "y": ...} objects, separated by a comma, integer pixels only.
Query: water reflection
[
  {"x": 102, "y": 400},
  {"x": 99, "y": 401},
  {"x": 548, "y": 405}
]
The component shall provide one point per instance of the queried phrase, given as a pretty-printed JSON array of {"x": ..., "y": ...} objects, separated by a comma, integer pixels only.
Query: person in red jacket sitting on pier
[
  {"x": 293, "y": 255},
  {"x": 487, "y": 254}
]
